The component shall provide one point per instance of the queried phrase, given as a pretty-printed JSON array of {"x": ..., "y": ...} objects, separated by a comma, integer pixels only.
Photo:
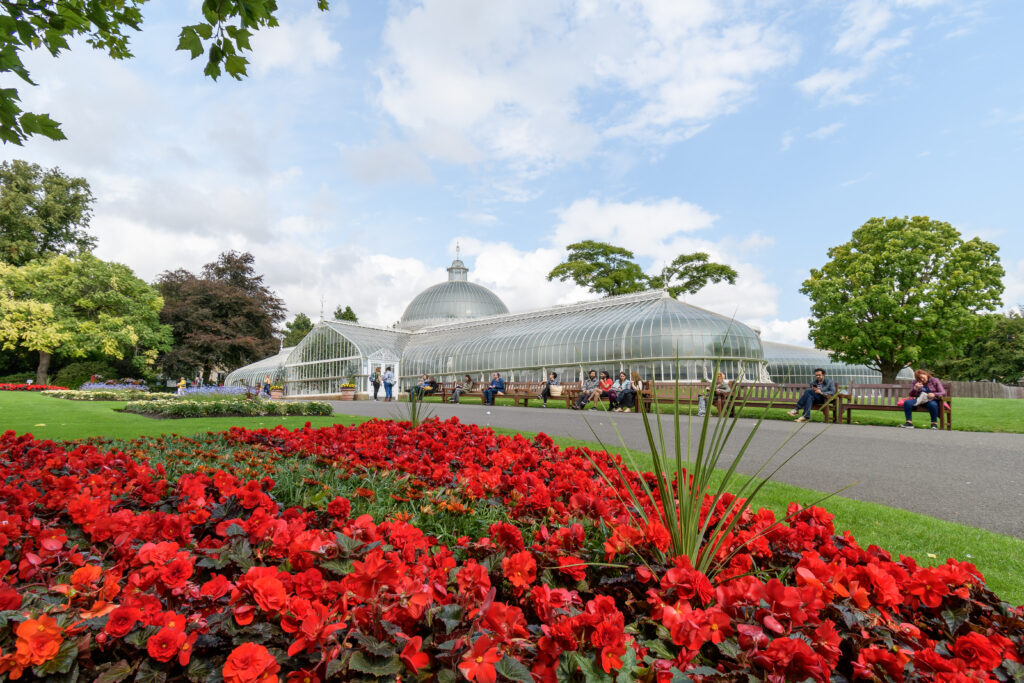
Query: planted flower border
[
  {"x": 30, "y": 387},
  {"x": 111, "y": 569},
  {"x": 227, "y": 407},
  {"x": 104, "y": 395}
]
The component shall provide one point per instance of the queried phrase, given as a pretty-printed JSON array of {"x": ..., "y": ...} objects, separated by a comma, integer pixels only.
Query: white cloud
[
  {"x": 784, "y": 331},
  {"x": 479, "y": 217},
  {"x": 825, "y": 131},
  {"x": 865, "y": 38},
  {"x": 786, "y": 142},
  {"x": 1013, "y": 295},
  {"x": 524, "y": 82},
  {"x": 298, "y": 45},
  {"x": 645, "y": 228},
  {"x": 386, "y": 163},
  {"x": 833, "y": 85}
]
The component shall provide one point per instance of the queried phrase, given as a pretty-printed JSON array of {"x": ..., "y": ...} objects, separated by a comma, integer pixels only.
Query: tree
[
  {"x": 996, "y": 352},
  {"x": 42, "y": 212},
  {"x": 225, "y": 317},
  {"x": 297, "y": 329},
  {"x": 345, "y": 314},
  {"x": 79, "y": 307},
  {"x": 222, "y": 35},
  {"x": 902, "y": 291},
  {"x": 690, "y": 273},
  {"x": 609, "y": 270}
]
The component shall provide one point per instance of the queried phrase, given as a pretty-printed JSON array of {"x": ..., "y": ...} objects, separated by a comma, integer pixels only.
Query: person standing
[
  {"x": 266, "y": 386},
  {"x": 820, "y": 390},
  {"x": 497, "y": 386},
  {"x": 388, "y": 379},
  {"x": 375, "y": 381},
  {"x": 928, "y": 391},
  {"x": 181, "y": 386}
]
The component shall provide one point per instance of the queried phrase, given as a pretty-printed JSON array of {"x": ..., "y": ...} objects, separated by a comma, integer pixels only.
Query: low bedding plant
[
  {"x": 444, "y": 552},
  {"x": 233, "y": 407},
  {"x": 29, "y": 387},
  {"x": 102, "y": 394}
]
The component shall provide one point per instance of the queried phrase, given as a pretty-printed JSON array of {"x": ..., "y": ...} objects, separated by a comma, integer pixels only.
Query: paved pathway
[{"x": 966, "y": 477}]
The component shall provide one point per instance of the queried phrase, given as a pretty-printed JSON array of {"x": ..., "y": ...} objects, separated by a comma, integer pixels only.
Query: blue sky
[{"x": 369, "y": 140}]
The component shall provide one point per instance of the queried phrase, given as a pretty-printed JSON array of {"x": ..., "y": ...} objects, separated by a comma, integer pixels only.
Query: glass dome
[
  {"x": 451, "y": 301},
  {"x": 651, "y": 333},
  {"x": 790, "y": 364}
]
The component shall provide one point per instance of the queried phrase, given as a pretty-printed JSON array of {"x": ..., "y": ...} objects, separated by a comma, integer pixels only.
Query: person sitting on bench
[
  {"x": 460, "y": 388},
  {"x": 424, "y": 388},
  {"x": 819, "y": 391},
  {"x": 927, "y": 392},
  {"x": 545, "y": 393},
  {"x": 721, "y": 394},
  {"x": 590, "y": 385},
  {"x": 496, "y": 387},
  {"x": 625, "y": 395}
]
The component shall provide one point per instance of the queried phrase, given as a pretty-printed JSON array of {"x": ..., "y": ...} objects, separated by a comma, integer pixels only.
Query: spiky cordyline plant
[{"x": 680, "y": 505}]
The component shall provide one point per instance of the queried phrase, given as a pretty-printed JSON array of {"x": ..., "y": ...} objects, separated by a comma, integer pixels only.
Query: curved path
[{"x": 970, "y": 478}]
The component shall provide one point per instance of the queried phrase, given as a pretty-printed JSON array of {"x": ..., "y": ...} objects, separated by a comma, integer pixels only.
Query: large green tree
[
  {"x": 42, "y": 212},
  {"x": 902, "y": 291},
  {"x": 79, "y": 307},
  {"x": 223, "y": 317},
  {"x": 610, "y": 270},
  {"x": 345, "y": 314},
  {"x": 222, "y": 34},
  {"x": 996, "y": 352},
  {"x": 296, "y": 330}
]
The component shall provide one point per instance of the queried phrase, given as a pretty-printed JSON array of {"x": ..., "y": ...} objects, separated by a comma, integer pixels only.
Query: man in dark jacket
[
  {"x": 497, "y": 386},
  {"x": 819, "y": 391}
]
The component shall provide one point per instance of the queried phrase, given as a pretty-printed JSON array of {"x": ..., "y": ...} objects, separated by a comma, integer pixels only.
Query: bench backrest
[
  {"x": 884, "y": 394},
  {"x": 687, "y": 391}
]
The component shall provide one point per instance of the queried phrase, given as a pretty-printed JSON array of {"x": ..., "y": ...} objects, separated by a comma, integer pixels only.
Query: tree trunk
[
  {"x": 889, "y": 372},
  {"x": 43, "y": 368}
]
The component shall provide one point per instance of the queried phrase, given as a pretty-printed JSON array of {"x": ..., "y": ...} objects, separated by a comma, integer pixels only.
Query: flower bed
[
  {"x": 137, "y": 386},
  {"x": 30, "y": 387},
  {"x": 114, "y": 569},
  {"x": 227, "y": 407},
  {"x": 103, "y": 395},
  {"x": 213, "y": 390}
]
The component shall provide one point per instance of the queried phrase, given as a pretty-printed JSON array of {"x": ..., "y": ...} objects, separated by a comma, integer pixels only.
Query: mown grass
[
  {"x": 969, "y": 414},
  {"x": 928, "y": 540}
]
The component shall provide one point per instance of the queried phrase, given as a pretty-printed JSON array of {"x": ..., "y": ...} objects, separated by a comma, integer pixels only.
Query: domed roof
[{"x": 451, "y": 301}]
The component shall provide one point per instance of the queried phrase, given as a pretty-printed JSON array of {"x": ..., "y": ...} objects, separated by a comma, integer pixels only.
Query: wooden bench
[
  {"x": 770, "y": 395},
  {"x": 887, "y": 396}
]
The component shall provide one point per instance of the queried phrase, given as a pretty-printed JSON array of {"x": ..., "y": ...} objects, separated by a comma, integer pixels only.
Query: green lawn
[
  {"x": 928, "y": 540},
  {"x": 969, "y": 414}
]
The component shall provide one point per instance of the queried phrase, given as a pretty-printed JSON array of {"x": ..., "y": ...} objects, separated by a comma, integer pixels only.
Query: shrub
[
  {"x": 101, "y": 395},
  {"x": 227, "y": 407},
  {"x": 78, "y": 373}
]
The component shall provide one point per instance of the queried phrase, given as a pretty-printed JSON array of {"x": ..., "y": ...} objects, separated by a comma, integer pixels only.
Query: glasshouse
[{"x": 458, "y": 328}]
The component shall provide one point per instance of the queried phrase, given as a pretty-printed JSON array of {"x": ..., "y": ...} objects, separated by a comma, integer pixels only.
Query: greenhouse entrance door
[{"x": 371, "y": 365}]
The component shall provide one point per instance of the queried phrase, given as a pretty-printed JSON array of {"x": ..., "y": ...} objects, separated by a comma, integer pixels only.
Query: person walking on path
[
  {"x": 928, "y": 391},
  {"x": 821, "y": 389}
]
